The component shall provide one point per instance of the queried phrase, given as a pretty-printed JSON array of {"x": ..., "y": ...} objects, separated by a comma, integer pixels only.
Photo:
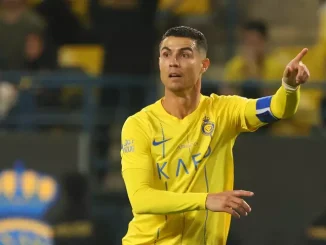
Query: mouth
[{"x": 174, "y": 75}]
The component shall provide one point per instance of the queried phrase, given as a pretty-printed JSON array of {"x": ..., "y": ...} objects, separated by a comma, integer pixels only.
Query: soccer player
[{"x": 177, "y": 160}]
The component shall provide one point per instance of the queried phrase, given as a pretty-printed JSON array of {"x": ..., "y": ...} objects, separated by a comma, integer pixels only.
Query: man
[
  {"x": 177, "y": 160},
  {"x": 19, "y": 27},
  {"x": 253, "y": 63}
]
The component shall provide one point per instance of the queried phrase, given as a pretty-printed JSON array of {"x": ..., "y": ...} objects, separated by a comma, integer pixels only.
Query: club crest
[{"x": 207, "y": 126}]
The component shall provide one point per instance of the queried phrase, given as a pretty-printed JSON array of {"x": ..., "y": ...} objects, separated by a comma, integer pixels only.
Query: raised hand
[{"x": 296, "y": 72}]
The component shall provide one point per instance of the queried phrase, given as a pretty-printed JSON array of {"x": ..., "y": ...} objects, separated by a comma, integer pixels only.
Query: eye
[
  {"x": 185, "y": 55},
  {"x": 165, "y": 54}
]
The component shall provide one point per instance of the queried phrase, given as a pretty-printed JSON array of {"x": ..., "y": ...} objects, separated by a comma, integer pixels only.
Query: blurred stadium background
[{"x": 71, "y": 71}]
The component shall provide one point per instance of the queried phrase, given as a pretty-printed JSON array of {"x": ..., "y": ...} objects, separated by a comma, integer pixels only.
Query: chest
[{"x": 178, "y": 149}]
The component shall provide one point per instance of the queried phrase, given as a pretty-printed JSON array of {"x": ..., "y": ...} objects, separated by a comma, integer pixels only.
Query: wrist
[{"x": 287, "y": 86}]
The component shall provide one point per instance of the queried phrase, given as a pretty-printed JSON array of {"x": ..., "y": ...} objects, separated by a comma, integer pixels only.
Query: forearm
[
  {"x": 147, "y": 200},
  {"x": 283, "y": 104},
  {"x": 151, "y": 201}
]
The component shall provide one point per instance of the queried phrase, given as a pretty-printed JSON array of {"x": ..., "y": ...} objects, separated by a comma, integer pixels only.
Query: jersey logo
[
  {"x": 207, "y": 128},
  {"x": 156, "y": 143}
]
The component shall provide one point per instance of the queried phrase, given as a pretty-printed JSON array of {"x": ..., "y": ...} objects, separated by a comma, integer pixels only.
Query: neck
[{"x": 181, "y": 105}]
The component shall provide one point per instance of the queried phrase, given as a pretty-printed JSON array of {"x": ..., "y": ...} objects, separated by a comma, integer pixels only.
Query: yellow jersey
[{"x": 169, "y": 165}]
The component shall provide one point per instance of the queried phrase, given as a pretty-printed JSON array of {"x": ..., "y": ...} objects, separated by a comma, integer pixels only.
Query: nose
[{"x": 174, "y": 62}]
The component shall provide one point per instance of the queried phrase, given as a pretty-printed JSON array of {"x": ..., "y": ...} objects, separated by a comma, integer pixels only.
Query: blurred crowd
[
  {"x": 108, "y": 37},
  {"x": 255, "y": 63}
]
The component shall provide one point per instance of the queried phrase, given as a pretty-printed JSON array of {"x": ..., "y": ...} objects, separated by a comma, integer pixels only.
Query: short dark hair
[
  {"x": 258, "y": 26},
  {"x": 188, "y": 32}
]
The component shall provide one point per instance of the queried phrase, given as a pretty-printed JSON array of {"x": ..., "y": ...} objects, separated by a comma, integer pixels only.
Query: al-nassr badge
[{"x": 207, "y": 126}]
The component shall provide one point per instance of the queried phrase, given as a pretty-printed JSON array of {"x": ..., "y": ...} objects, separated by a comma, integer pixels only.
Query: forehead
[{"x": 175, "y": 43}]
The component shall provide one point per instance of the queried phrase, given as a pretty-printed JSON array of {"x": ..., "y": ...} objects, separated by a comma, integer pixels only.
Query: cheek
[
  {"x": 197, "y": 69},
  {"x": 162, "y": 65}
]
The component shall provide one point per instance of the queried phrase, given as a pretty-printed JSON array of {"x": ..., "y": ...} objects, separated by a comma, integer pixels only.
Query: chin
[{"x": 177, "y": 88}]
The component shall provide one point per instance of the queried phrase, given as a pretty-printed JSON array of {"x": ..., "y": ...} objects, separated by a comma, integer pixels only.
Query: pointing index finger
[
  {"x": 243, "y": 193},
  {"x": 302, "y": 54}
]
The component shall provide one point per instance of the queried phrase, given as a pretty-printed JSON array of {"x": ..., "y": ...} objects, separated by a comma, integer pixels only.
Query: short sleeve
[{"x": 135, "y": 147}]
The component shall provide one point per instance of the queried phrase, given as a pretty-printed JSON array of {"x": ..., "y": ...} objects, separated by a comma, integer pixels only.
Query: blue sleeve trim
[{"x": 263, "y": 110}]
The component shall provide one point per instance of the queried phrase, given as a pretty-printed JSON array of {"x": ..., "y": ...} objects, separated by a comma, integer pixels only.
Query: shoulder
[
  {"x": 224, "y": 106},
  {"x": 220, "y": 101},
  {"x": 135, "y": 121},
  {"x": 142, "y": 116},
  {"x": 141, "y": 120}
]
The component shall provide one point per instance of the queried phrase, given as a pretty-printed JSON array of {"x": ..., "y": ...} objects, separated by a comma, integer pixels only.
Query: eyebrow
[{"x": 182, "y": 49}]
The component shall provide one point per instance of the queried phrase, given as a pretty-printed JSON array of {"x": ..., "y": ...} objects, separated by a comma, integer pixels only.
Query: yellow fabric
[
  {"x": 284, "y": 105},
  {"x": 308, "y": 113},
  {"x": 317, "y": 233},
  {"x": 235, "y": 70},
  {"x": 81, "y": 10},
  {"x": 322, "y": 24},
  {"x": 169, "y": 165},
  {"x": 89, "y": 58},
  {"x": 80, "y": 6},
  {"x": 187, "y": 6}
]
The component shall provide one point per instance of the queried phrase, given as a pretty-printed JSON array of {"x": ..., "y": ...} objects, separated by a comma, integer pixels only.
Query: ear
[{"x": 205, "y": 64}]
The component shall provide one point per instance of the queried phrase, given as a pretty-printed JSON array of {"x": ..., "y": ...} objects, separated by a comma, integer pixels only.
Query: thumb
[{"x": 287, "y": 72}]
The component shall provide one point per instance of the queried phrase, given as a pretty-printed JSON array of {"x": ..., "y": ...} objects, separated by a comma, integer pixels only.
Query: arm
[
  {"x": 146, "y": 200},
  {"x": 138, "y": 174},
  {"x": 283, "y": 104}
]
